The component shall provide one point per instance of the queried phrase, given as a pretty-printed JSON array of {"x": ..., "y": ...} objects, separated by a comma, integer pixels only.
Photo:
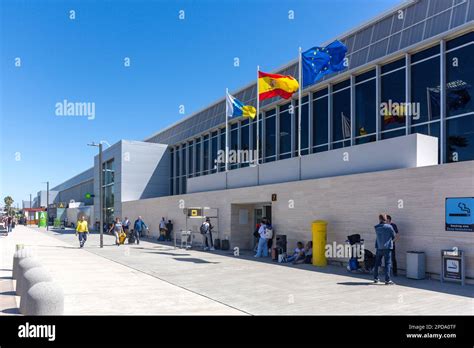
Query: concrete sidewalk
[
  {"x": 95, "y": 285},
  {"x": 153, "y": 278}
]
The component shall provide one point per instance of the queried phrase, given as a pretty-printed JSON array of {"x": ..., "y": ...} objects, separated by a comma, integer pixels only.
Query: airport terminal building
[{"x": 414, "y": 60}]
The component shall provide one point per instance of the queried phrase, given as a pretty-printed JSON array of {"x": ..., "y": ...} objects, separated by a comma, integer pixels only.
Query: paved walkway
[{"x": 153, "y": 278}]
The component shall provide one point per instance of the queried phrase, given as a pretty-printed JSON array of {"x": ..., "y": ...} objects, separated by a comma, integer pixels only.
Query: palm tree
[{"x": 8, "y": 203}]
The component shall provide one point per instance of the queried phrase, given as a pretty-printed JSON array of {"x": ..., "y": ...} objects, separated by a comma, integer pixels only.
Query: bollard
[
  {"x": 45, "y": 298},
  {"x": 23, "y": 266},
  {"x": 32, "y": 277},
  {"x": 17, "y": 257},
  {"x": 319, "y": 229}
]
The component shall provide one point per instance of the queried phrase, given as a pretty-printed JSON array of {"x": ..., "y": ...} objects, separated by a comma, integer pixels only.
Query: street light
[
  {"x": 47, "y": 204},
  {"x": 101, "y": 213}
]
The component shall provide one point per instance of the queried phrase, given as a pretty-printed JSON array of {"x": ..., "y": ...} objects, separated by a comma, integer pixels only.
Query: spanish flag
[{"x": 271, "y": 85}]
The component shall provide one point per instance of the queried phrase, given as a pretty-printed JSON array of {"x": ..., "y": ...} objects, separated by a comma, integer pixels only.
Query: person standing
[
  {"x": 394, "y": 258},
  {"x": 262, "y": 247},
  {"x": 169, "y": 229},
  {"x": 206, "y": 231},
  {"x": 138, "y": 228},
  {"x": 9, "y": 223},
  {"x": 384, "y": 245},
  {"x": 82, "y": 231},
  {"x": 126, "y": 225},
  {"x": 162, "y": 229}
]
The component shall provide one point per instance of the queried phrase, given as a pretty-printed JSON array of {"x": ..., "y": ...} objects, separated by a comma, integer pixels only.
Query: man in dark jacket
[
  {"x": 384, "y": 245},
  {"x": 394, "y": 256}
]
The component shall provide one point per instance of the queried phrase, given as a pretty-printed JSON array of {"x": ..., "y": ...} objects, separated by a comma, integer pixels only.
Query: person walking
[
  {"x": 117, "y": 229},
  {"x": 384, "y": 245},
  {"x": 262, "y": 247},
  {"x": 394, "y": 258},
  {"x": 138, "y": 228},
  {"x": 82, "y": 230}
]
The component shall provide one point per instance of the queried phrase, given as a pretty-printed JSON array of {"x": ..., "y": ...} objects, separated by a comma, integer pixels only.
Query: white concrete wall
[
  {"x": 414, "y": 150},
  {"x": 415, "y": 197}
]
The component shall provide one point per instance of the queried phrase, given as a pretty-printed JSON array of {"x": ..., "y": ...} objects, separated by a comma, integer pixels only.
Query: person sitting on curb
[
  {"x": 307, "y": 255},
  {"x": 298, "y": 253}
]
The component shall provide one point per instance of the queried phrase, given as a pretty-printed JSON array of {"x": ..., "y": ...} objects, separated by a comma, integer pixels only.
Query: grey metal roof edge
[
  {"x": 368, "y": 23},
  {"x": 75, "y": 176}
]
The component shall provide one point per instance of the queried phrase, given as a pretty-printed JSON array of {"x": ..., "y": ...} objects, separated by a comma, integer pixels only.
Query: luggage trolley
[{"x": 194, "y": 217}]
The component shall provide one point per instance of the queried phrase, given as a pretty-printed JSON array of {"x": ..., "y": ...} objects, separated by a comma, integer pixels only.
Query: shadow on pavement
[
  {"x": 193, "y": 260},
  {"x": 164, "y": 253},
  {"x": 11, "y": 311},
  {"x": 355, "y": 283}
]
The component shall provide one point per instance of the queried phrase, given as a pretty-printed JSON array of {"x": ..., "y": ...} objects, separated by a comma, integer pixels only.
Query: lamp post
[
  {"x": 101, "y": 213},
  {"x": 47, "y": 204}
]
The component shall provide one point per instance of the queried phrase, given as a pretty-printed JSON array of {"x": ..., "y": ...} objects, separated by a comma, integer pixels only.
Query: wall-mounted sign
[
  {"x": 460, "y": 214},
  {"x": 89, "y": 195},
  {"x": 274, "y": 197},
  {"x": 453, "y": 266},
  {"x": 194, "y": 212}
]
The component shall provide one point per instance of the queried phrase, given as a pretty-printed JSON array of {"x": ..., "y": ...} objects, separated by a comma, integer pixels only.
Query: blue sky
[{"x": 173, "y": 62}]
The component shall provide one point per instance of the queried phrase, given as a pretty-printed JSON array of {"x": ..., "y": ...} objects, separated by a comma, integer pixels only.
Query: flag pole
[
  {"x": 299, "y": 102},
  {"x": 258, "y": 123},
  {"x": 226, "y": 131}
]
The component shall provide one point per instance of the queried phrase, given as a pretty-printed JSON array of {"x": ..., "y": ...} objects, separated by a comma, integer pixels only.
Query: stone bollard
[
  {"x": 45, "y": 298},
  {"x": 23, "y": 266},
  {"x": 17, "y": 257},
  {"x": 32, "y": 277}
]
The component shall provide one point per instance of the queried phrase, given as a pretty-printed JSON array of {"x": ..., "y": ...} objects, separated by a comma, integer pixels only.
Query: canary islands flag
[
  {"x": 235, "y": 108},
  {"x": 319, "y": 61},
  {"x": 272, "y": 85}
]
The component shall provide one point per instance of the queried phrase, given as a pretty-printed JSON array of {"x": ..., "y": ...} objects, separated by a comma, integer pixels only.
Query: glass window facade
[
  {"x": 108, "y": 187},
  {"x": 285, "y": 117},
  {"x": 320, "y": 123},
  {"x": 365, "y": 110},
  {"x": 392, "y": 98},
  {"x": 245, "y": 142},
  {"x": 270, "y": 135},
  {"x": 254, "y": 136},
  {"x": 214, "y": 141},
  {"x": 326, "y": 115},
  {"x": 305, "y": 131},
  {"x": 341, "y": 116}
]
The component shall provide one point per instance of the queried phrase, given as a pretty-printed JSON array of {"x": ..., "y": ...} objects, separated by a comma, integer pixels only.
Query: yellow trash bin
[{"x": 319, "y": 229}]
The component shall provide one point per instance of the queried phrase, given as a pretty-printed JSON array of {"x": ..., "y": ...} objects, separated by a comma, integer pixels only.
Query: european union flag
[{"x": 319, "y": 61}]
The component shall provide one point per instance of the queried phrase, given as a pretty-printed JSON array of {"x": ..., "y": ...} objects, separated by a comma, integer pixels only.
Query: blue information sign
[{"x": 460, "y": 214}]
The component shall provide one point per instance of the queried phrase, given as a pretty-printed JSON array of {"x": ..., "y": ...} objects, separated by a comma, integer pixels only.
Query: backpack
[
  {"x": 268, "y": 233},
  {"x": 203, "y": 228}
]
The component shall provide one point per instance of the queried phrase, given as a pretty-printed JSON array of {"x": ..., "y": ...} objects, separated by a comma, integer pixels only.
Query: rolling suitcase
[{"x": 122, "y": 237}]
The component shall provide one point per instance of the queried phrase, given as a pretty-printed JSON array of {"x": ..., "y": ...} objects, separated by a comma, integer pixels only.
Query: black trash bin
[{"x": 281, "y": 242}]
